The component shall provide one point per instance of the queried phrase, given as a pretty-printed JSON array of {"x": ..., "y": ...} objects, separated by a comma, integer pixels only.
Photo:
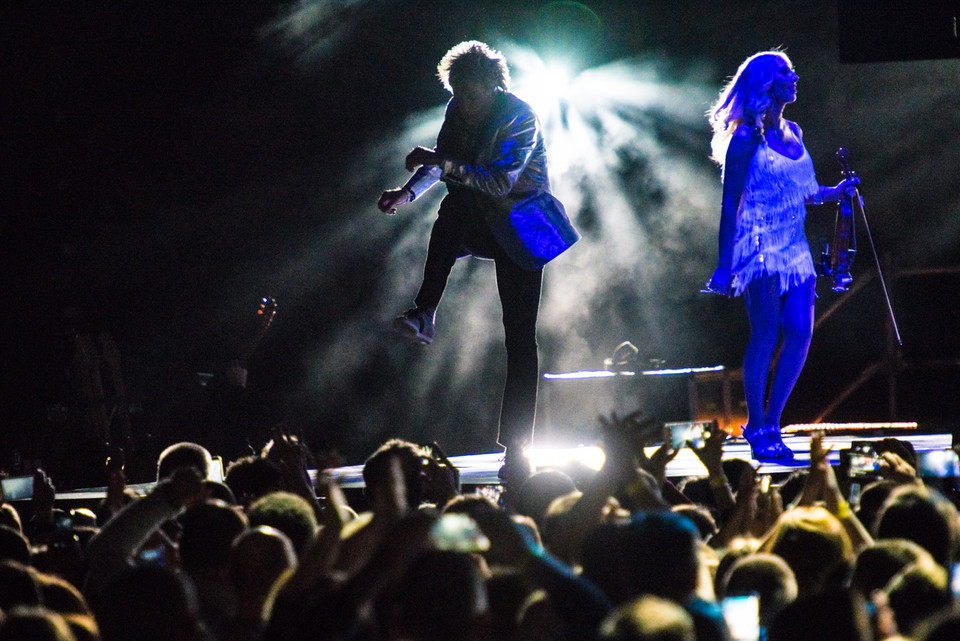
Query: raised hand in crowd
[
  {"x": 322, "y": 597},
  {"x": 393, "y": 490},
  {"x": 821, "y": 487},
  {"x": 579, "y": 604},
  {"x": 657, "y": 462},
  {"x": 637, "y": 478},
  {"x": 40, "y": 526},
  {"x": 319, "y": 559},
  {"x": 740, "y": 520},
  {"x": 44, "y": 495},
  {"x": 441, "y": 478},
  {"x": 117, "y": 495},
  {"x": 590, "y": 508},
  {"x": 620, "y": 484},
  {"x": 821, "y": 483},
  {"x": 511, "y": 544},
  {"x": 891, "y": 465},
  {"x": 290, "y": 454},
  {"x": 711, "y": 456},
  {"x": 758, "y": 503},
  {"x": 288, "y": 451},
  {"x": 769, "y": 506},
  {"x": 114, "y": 547}
]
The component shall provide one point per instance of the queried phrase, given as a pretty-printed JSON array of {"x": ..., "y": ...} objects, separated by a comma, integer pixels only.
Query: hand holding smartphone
[
  {"x": 688, "y": 433},
  {"x": 17, "y": 488}
]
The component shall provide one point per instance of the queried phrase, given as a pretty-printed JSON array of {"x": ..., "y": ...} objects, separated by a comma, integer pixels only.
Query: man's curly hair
[{"x": 474, "y": 61}]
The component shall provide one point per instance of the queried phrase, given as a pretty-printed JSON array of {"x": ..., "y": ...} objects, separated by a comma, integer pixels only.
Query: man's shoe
[
  {"x": 513, "y": 474},
  {"x": 416, "y": 324},
  {"x": 515, "y": 470}
]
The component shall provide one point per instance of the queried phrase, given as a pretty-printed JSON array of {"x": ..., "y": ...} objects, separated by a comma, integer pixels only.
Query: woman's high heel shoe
[{"x": 766, "y": 443}]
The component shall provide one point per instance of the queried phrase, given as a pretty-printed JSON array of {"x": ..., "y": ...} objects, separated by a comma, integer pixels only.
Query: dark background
[{"x": 167, "y": 165}]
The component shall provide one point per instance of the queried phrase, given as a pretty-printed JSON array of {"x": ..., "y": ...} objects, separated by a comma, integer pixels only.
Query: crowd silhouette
[{"x": 621, "y": 554}]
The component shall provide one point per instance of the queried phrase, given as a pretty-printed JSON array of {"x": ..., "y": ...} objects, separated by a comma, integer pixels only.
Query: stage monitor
[{"x": 898, "y": 30}]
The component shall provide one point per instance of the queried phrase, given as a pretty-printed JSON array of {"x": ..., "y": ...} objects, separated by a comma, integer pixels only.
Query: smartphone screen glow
[{"x": 742, "y": 614}]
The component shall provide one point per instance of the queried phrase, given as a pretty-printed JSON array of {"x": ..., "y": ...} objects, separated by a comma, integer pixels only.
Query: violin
[{"x": 838, "y": 255}]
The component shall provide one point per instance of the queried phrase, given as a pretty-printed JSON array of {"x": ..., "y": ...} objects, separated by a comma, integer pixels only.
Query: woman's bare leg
[
  {"x": 765, "y": 310},
  {"x": 797, "y": 325}
]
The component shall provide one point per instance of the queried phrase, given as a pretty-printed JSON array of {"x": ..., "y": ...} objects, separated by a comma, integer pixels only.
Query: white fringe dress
[{"x": 770, "y": 239}]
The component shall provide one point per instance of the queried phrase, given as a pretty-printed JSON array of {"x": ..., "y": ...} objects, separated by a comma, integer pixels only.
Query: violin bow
[{"x": 857, "y": 200}]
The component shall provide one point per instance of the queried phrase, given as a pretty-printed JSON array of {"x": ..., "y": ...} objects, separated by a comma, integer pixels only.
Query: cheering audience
[{"x": 626, "y": 553}]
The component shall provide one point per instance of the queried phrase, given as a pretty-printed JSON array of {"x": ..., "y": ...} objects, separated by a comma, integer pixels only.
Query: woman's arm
[
  {"x": 742, "y": 147},
  {"x": 843, "y": 189}
]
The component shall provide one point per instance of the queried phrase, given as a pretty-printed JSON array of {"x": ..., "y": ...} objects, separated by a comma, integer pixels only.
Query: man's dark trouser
[{"x": 460, "y": 230}]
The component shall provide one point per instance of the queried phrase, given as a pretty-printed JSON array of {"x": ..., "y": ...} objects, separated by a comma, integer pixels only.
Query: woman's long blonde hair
[{"x": 744, "y": 100}]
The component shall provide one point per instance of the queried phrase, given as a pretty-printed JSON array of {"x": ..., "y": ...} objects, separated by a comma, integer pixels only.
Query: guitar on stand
[
  {"x": 231, "y": 404},
  {"x": 266, "y": 313}
]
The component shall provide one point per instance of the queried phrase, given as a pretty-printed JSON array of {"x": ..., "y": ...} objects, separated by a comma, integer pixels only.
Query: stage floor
[{"x": 481, "y": 469}]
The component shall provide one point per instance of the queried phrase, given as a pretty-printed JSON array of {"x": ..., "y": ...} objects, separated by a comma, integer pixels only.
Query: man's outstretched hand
[{"x": 391, "y": 199}]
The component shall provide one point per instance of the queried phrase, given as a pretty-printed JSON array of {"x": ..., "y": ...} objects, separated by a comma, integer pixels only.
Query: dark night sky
[{"x": 165, "y": 166}]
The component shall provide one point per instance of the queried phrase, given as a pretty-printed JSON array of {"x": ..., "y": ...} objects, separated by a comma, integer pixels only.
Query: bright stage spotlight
[
  {"x": 558, "y": 458},
  {"x": 546, "y": 88},
  {"x": 545, "y": 84}
]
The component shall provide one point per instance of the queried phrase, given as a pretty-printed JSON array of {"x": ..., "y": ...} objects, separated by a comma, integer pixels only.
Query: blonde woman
[{"x": 768, "y": 179}]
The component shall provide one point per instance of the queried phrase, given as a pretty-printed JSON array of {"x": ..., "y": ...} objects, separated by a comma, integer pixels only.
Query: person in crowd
[
  {"x": 648, "y": 618},
  {"x": 819, "y": 535},
  {"x": 183, "y": 454},
  {"x": 944, "y": 626},
  {"x": 916, "y": 593},
  {"x": 425, "y": 481},
  {"x": 540, "y": 490},
  {"x": 151, "y": 603},
  {"x": 735, "y": 551},
  {"x": 428, "y": 561},
  {"x": 123, "y": 541},
  {"x": 289, "y": 513},
  {"x": 18, "y": 585},
  {"x": 9, "y": 517},
  {"x": 61, "y": 595},
  {"x": 658, "y": 539},
  {"x": 14, "y": 546},
  {"x": 832, "y": 615},
  {"x": 814, "y": 545},
  {"x": 251, "y": 477},
  {"x": 208, "y": 531},
  {"x": 766, "y": 575},
  {"x": 768, "y": 179},
  {"x": 924, "y": 516},
  {"x": 393, "y": 458},
  {"x": 34, "y": 624},
  {"x": 878, "y": 563},
  {"x": 872, "y": 497},
  {"x": 442, "y": 596},
  {"x": 259, "y": 557}
]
